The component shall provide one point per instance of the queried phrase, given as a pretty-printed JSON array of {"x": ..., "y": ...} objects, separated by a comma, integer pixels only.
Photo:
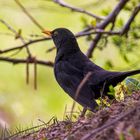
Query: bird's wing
[
  {"x": 98, "y": 73},
  {"x": 100, "y": 76},
  {"x": 69, "y": 77}
]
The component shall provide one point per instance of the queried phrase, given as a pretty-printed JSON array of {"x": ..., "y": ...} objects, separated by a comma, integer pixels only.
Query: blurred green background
[{"x": 20, "y": 104}]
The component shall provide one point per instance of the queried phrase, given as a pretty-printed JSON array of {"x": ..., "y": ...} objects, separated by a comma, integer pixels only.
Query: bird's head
[{"x": 62, "y": 37}]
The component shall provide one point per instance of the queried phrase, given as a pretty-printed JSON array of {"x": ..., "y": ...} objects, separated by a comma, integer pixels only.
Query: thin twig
[
  {"x": 102, "y": 93},
  {"x": 64, "y": 114},
  {"x": 27, "y": 71},
  {"x": 8, "y": 26},
  {"x": 29, "y": 15},
  {"x": 64, "y": 4},
  {"x": 50, "y": 49},
  {"x": 16, "y": 34},
  {"x": 35, "y": 74}
]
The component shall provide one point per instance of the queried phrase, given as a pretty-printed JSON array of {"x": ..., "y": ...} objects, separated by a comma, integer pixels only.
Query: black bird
[{"x": 71, "y": 66}]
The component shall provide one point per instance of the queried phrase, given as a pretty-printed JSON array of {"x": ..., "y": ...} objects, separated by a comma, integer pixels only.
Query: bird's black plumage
[{"x": 71, "y": 66}]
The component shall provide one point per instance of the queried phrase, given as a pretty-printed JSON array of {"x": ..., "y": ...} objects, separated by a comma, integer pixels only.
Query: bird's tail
[
  {"x": 133, "y": 72},
  {"x": 120, "y": 76}
]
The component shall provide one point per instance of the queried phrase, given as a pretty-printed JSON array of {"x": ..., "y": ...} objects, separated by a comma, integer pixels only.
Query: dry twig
[{"x": 82, "y": 83}]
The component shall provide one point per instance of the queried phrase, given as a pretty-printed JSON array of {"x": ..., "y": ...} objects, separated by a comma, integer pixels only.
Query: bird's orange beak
[{"x": 49, "y": 33}]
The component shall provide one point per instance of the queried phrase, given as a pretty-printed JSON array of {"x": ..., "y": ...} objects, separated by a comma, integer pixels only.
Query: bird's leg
[{"x": 83, "y": 112}]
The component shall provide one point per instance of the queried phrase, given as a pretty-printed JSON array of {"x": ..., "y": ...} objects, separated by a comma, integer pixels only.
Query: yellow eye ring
[{"x": 55, "y": 33}]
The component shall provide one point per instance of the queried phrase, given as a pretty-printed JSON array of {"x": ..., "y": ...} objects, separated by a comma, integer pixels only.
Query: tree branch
[
  {"x": 110, "y": 18},
  {"x": 24, "y": 45},
  {"x": 23, "y": 61},
  {"x": 123, "y": 31},
  {"x": 130, "y": 20}
]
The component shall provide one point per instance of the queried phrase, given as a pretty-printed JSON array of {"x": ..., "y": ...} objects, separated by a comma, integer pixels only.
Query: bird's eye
[{"x": 55, "y": 33}]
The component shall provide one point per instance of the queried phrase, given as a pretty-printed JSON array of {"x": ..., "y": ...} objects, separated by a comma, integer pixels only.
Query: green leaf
[
  {"x": 132, "y": 84},
  {"x": 84, "y": 21},
  {"x": 117, "y": 41},
  {"x": 111, "y": 91},
  {"x": 121, "y": 136},
  {"x": 120, "y": 22},
  {"x": 132, "y": 81},
  {"x": 94, "y": 22},
  {"x": 124, "y": 57},
  {"x": 138, "y": 85},
  {"x": 108, "y": 65},
  {"x": 106, "y": 12}
]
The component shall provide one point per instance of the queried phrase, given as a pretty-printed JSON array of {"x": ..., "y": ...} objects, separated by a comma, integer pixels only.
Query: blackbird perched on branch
[{"x": 71, "y": 66}]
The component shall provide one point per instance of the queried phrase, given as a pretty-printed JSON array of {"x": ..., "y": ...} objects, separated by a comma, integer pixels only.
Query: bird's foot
[{"x": 83, "y": 112}]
